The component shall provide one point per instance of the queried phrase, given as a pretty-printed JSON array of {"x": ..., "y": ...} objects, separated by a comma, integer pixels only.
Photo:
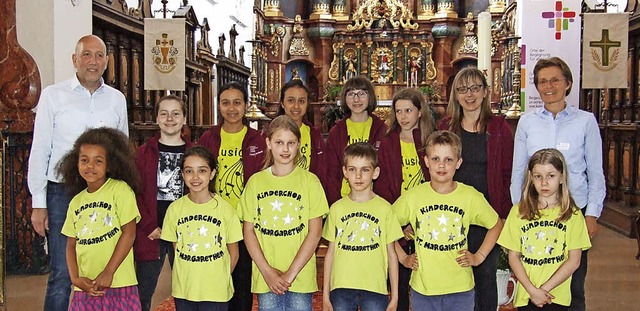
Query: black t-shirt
[
  {"x": 170, "y": 183},
  {"x": 473, "y": 171}
]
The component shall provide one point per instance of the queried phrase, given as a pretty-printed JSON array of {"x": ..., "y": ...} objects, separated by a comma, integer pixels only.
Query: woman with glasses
[
  {"x": 402, "y": 167},
  {"x": 239, "y": 151},
  {"x": 294, "y": 102},
  {"x": 487, "y": 149},
  {"x": 358, "y": 101},
  {"x": 573, "y": 132}
]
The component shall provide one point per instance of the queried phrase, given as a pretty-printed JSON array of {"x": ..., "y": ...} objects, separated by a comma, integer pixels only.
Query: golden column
[
  {"x": 427, "y": 10},
  {"x": 272, "y": 8},
  {"x": 321, "y": 10},
  {"x": 339, "y": 10},
  {"x": 446, "y": 8}
]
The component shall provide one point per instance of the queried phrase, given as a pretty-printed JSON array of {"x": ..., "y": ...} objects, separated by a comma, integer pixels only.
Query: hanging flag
[
  {"x": 604, "y": 50},
  {"x": 164, "y": 54}
]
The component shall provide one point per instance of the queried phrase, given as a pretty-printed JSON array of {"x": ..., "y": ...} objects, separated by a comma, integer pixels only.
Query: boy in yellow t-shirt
[
  {"x": 440, "y": 212},
  {"x": 361, "y": 230}
]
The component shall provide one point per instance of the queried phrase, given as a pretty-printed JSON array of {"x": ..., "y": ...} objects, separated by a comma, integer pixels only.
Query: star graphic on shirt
[
  {"x": 218, "y": 239},
  {"x": 524, "y": 239},
  {"x": 362, "y": 239},
  {"x": 264, "y": 223},
  {"x": 418, "y": 223},
  {"x": 351, "y": 237},
  {"x": 530, "y": 249},
  {"x": 434, "y": 234},
  {"x": 540, "y": 235},
  {"x": 444, "y": 229},
  {"x": 93, "y": 216},
  {"x": 457, "y": 219},
  {"x": 259, "y": 211},
  {"x": 277, "y": 205},
  {"x": 548, "y": 249},
  {"x": 84, "y": 230},
  {"x": 287, "y": 220},
  {"x": 179, "y": 236},
  {"x": 451, "y": 237},
  {"x": 443, "y": 220},
  {"x": 207, "y": 245},
  {"x": 365, "y": 225},
  {"x": 275, "y": 217},
  {"x": 192, "y": 246},
  {"x": 107, "y": 220},
  {"x": 463, "y": 230},
  {"x": 203, "y": 230},
  {"x": 377, "y": 232},
  {"x": 339, "y": 232},
  {"x": 555, "y": 241}
]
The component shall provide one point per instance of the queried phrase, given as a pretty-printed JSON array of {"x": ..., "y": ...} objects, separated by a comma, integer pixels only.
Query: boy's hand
[
  {"x": 408, "y": 232},
  {"x": 540, "y": 297},
  {"x": 326, "y": 303},
  {"x": 155, "y": 234},
  {"x": 86, "y": 285},
  {"x": 393, "y": 305},
  {"x": 274, "y": 280},
  {"x": 469, "y": 259},
  {"x": 103, "y": 281},
  {"x": 410, "y": 261}
]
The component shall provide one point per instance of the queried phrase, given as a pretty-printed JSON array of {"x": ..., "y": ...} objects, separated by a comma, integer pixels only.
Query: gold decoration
[
  {"x": 350, "y": 59},
  {"x": 430, "y": 66},
  {"x": 382, "y": 62},
  {"x": 393, "y": 11},
  {"x": 276, "y": 39},
  {"x": 320, "y": 11},
  {"x": 272, "y": 8},
  {"x": 271, "y": 80},
  {"x": 427, "y": 12},
  {"x": 497, "y": 6},
  {"x": 339, "y": 12},
  {"x": 446, "y": 9},
  {"x": 298, "y": 46},
  {"x": 333, "y": 70}
]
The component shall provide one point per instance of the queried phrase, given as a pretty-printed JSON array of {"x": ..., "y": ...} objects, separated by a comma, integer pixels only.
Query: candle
[{"x": 484, "y": 44}]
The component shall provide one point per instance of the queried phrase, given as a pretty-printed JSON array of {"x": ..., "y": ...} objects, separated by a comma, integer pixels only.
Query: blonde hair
[
  {"x": 282, "y": 122},
  {"x": 425, "y": 122},
  {"x": 445, "y": 138},
  {"x": 528, "y": 206},
  {"x": 465, "y": 78}
]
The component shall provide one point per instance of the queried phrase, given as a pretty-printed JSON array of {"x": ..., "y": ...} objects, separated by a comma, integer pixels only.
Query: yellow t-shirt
[
  {"x": 280, "y": 207},
  {"x": 361, "y": 233},
  {"x": 411, "y": 171},
  {"x": 95, "y": 220},
  {"x": 356, "y": 132},
  {"x": 201, "y": 233},
  {"x": 305, "y": 147},
  {"x": 229, "y": 177},
  {"x": 544, "y": 244},
  {"x": 441, "y": 223}
]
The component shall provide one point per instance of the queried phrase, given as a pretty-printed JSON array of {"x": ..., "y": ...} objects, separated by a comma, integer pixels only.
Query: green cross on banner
[{"x": 605, "y": 44}]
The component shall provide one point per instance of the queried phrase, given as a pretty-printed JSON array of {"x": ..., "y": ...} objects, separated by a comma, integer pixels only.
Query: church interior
[{"x": 396, "y": 44}]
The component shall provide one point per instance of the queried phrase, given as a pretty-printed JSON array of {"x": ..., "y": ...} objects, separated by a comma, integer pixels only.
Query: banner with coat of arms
[
  {"x": 604, "y": 50},
  {"x": 164, "y": 54}
]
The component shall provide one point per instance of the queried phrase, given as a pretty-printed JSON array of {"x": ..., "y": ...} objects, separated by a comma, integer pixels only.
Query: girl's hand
[
  {"x": 274, "y": 280},
  {"x": 469, "y": 259},
  {"x": 326, "y": 303},
  {"x": 393, "y": 305},
  {"x": 410, "y": 261},
  {"x": 408, "y": 232},
  {"x": 155, "y": 234},
  {"x": 103, "y": 281},
  {"x": 86, "y": 285},
  {"x": 540, "y": 297},
  {"x": 289, "y": 277}
]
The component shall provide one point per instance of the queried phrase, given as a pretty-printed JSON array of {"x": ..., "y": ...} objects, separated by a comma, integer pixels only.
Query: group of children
[{"x": 279, "y": 217}]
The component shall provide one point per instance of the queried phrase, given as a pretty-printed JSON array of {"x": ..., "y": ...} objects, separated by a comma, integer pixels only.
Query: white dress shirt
[{"x": 65, "y": 110}]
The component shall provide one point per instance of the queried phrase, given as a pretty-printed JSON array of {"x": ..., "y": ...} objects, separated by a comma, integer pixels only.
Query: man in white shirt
[{"x": 65, "y": 110}]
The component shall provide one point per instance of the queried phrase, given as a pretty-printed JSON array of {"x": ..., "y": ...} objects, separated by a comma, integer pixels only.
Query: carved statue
[
  {"x": 294, "y": 74},
  {"x": 232, "y": 43},
  {"x": 241, "y": 52},
  {"x": 415, "y": 63},
  {"x": 350, "y": 66},
  {"x": 221, "y": 40},
  {"x": 383, "y": 67},
  {"x": 298, "y": 46}
]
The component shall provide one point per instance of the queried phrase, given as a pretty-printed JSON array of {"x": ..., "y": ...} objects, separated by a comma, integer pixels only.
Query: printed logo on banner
[
  {"x": 608, "y": 61},
  {"x": 559, "y": 19},
  {"x": 164, "y": 54}
]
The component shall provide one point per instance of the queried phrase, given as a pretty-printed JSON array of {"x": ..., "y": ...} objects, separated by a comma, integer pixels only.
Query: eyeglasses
[
  {"x": 474, "y": 89},
  {"x": 359, "y": 94},
  {"x": 552, "y": 81}
]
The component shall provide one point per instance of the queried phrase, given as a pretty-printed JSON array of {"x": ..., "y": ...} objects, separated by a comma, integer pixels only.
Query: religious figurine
[
  {"x": 221, "y": 40},
  {"x": 383, "y": 68},
  {"x": 350, "y": 67},
  {"x": 294, "y": 74},
  {"x": 298, "y": 46},
  {"x": 232, "y": 43},
  {"x": 241, "y": 58},
  {"x": 414, "y": 69}
]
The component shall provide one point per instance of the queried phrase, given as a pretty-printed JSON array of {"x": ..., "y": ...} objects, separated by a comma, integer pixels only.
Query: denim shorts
[
  {"x": 347, "y": 299},
  {"x": 289, "y": 301},
  {"x": 463, "y": 301}
]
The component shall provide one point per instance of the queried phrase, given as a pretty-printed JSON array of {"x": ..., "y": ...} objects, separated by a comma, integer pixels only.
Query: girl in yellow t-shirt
[
  {"x": 545, "y": 234},
  {"x": 282, "y": 208},
  {"x": 205, "y": 231},
  {"x": 101, "y": 221}
]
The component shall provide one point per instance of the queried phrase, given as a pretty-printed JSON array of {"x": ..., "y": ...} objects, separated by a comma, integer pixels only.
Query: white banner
[
  {"x": 604, "y": 52},
  {"x": 164, "y": 54},
  {"x": 549, "y": 28}
]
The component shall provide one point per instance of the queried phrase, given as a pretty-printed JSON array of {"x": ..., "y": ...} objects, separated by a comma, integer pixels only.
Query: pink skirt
[{"x": 114, "y": 299}]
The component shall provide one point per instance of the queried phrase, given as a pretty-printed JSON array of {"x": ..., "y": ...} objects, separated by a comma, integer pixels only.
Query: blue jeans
[
  {"x": 463, "y": 301},
  {"x": 289, "y": 301},
  {"x": 186, "y": 305},
  {"x": 147, "y": 273},
  {"x": 346, "y": 299},
  {"x": 485, "y": 274},
  {"x": 59, "y": 285}
]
